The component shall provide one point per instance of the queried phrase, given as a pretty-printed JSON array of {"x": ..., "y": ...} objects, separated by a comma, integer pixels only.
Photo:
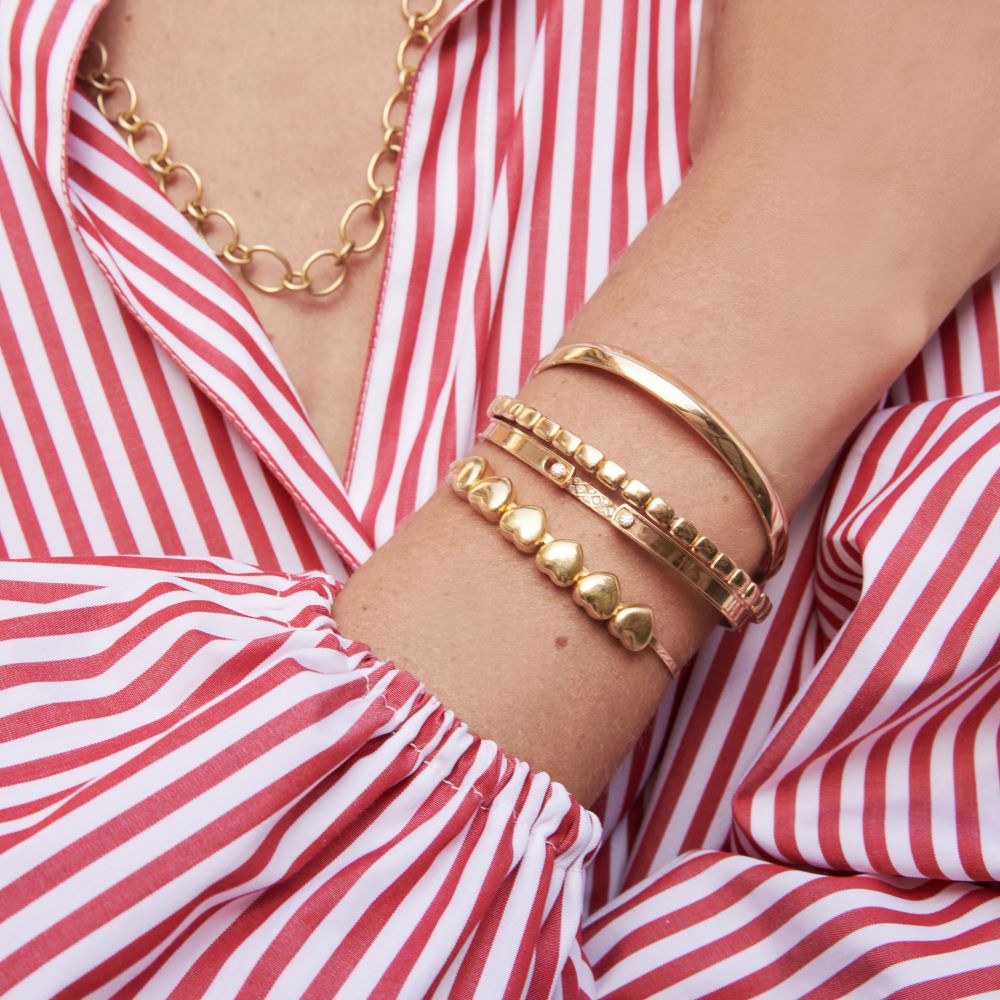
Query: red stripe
[
  {"x": 682, "y": 81},
  {"x": 534, "y": 290},
  {"x": 27, "y": 520},
  {"x": 951, "y": 349},
  {"x": 623, "y": 131},
  {"x": 576, "y": 269},
  {"x": 984, "y": 305},
  {"x": 654, "y": 186},
  {"x": 426, "y": 199},
  {"x": 440, "y": 384},
  {"x": 43, "y": 443},
  {"x": 515, "y": 193},
  {"x": 43, "y": 131}
]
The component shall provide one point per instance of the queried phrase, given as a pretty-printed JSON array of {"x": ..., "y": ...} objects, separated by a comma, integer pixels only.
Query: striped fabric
[{"x": 207, "y": 790}]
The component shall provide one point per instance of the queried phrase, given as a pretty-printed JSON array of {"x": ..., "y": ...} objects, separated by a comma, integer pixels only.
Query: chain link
[{"x": 118, "y": 102}]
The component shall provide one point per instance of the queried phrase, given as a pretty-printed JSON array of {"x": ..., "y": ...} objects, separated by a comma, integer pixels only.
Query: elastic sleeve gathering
[{"x": 206, "y": 789}]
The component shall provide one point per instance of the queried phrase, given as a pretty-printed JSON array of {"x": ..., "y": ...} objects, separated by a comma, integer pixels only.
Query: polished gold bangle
[
  {"x": 675, "y": 541},
  {"x": 726, "y": 443},
  {"x": 560, "y": 559}
]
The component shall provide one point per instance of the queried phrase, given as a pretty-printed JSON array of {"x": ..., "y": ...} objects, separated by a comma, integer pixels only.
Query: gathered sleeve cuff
[{"x": 205, "y": 787}]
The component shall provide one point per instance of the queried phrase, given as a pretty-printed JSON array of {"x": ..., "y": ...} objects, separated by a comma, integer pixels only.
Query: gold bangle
[
  {"x": 560, "y": 559},
  {"x": 675, "y": 542},
  {"x": 726, "y": 443}
]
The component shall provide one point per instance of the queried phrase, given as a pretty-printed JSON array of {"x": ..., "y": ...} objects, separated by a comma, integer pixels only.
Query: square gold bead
[
  {"x": 611, "y": 473},
  {"x": 706, "y": 549},
  {"x": 636, "y": 492},
  {"x": 739, "y": 579},
  {"x": 660, "y": 511},
  {"x": 684, "y": 531},
  {"x": 528, "y": 417},
  {"x": 723, "y": 564},
  {"x": 514, "y": 409},
  {"x": 588, "y": 456},
  {"x": 546, "y": 429},
  {"x": 751, "y": 592},
  {"x": 496, "y": 407},
  {"x": 566, "y": 442}
]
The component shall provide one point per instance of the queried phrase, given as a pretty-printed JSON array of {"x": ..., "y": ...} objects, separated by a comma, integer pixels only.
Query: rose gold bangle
[{"x": 708, "y": 424}]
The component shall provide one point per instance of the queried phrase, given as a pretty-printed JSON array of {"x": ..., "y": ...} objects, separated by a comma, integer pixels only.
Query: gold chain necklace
[{"x": 169, "y": 172}]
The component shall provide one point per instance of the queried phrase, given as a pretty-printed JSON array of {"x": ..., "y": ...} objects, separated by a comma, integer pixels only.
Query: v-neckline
[{"x": 197, "y": 312}]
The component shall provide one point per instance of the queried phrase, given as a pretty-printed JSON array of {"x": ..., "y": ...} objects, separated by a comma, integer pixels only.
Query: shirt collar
[{"x": 43, "y": 40}]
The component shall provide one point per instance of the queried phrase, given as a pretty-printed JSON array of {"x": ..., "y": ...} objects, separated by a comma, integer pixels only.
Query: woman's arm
[{"x": 841, "y": 202}]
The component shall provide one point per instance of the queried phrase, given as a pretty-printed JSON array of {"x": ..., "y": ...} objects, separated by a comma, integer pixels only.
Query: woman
[{"x": 454, "y": 782}]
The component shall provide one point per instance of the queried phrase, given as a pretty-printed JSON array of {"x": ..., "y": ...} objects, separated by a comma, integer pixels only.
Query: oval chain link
[{"x": 118, "y": 101}]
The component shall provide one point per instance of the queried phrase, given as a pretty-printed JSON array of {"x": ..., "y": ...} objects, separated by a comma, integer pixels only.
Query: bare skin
[{"x": 843, "y": 198}]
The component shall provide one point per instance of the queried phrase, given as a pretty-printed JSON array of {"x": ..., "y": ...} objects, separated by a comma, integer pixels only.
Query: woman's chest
[{"x": 285, "y": 132}]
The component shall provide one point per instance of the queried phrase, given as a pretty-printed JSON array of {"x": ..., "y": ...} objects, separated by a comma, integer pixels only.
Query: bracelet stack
[
  {"x": 628, "y": 504},
  {"x": 560, "y": 559}
]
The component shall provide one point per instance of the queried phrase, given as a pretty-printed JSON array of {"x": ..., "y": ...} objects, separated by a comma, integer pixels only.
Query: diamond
[
  {"x": 626, "y": 520},
  {"x": 557, "y": 469}
]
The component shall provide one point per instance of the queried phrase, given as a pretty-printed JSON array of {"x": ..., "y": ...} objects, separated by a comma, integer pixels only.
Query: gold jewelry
[
  {"x": 703, "y": 419},
  {"x": 233, "y": 251},
  {"x": 674, "y": 541},
  {"x": 560, "y": 559}
]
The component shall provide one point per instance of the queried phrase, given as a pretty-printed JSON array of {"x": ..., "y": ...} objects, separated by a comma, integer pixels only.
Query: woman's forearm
[{"x": 768, "y": 319}]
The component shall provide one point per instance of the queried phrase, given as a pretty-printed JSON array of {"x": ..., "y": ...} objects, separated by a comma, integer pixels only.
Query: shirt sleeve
[
  {"x": 863, "y": 853},
  {"x": 207, "y": 789}
]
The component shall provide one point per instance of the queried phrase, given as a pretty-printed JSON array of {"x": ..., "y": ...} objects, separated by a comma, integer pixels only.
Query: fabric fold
[{"x": 202, "y": 769}]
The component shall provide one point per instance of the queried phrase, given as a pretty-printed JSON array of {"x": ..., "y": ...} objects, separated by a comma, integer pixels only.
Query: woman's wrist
[
  {"x": 781, "y": 333},
  {"x": 828, "y": 223}
]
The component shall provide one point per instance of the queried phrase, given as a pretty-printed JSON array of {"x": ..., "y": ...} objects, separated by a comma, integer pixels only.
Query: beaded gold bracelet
[
  {"x": 560, "y": 559},
  {"x": 646, "y": 519}
]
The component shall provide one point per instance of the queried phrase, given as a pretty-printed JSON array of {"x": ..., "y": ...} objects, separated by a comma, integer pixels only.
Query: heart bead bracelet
[{"x": 560, "y": 559}]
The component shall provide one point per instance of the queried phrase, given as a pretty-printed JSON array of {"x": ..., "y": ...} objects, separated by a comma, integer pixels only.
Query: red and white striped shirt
[{"x": 205, "y": 789}]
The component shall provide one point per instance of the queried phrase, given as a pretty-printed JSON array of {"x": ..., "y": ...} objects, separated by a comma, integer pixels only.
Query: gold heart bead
[
  {"x": 561, "y": 561},
  {"x": 465, "y": 473},
  {"x": 491, "y": 496},
  {"x": 632, "y": 626},
  {"x": 524, "y": 526},
  {"x": 598, "y": 594}
]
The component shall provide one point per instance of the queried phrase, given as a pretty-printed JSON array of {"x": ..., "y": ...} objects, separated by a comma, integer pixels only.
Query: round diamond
[
  {"x": 557, "y": 469},
  {"x": 625, "y": 519}
]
